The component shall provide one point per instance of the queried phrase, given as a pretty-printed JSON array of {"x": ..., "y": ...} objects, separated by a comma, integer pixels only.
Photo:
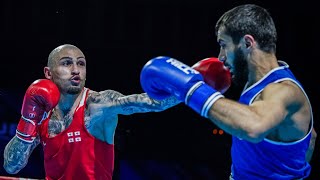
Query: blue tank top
[{"x": 270, "y": 159}]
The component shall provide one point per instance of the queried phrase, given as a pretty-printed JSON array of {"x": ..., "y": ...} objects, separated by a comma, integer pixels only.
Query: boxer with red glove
[
  {"x": 162, "y": 77},
  {"x": 41, "y": 97},
  {"x": 214, "y": 73}
]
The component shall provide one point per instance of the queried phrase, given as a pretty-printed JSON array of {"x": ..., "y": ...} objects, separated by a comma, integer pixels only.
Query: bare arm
[
  {"x": 135, "y": 103},
  {"x": 254, "y": 122},
  {"x": 311, "y": 145},
  {"x": 17, "y": 153},
  {"x": 140, "y": 103}
]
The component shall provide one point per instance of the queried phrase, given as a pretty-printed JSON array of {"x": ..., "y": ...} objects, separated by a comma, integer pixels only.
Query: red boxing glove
[
  {"x": 214, "y": 73},
  {"x": 41, "y": 97}
]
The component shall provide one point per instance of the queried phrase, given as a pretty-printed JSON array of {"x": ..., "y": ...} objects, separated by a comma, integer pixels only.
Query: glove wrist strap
[
  {"x": 26, "y": 130},
  {"x": 201, "y": 97}
]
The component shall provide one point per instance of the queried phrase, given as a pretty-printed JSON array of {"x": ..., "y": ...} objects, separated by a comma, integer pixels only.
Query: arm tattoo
[
  {"x": 139, "y": 103},
  {"x": 135, "y": 103},
  {"x": 16, "y": 154},
  {"x": 104, "y": 96},
  {"x": 87, "y": 122}
]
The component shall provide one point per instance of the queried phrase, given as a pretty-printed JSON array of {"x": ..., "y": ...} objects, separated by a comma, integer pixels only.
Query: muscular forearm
[
  {"x": 16, "y": 154},
  {"x": 158, "y": 105},
  {"x": 168, "y": 103},
  {"x": 140, "y": 103}
]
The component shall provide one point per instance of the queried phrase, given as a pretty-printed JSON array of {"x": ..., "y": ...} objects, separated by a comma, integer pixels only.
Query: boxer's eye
[
  {"x": 81, "y": 63},
  {"x": 66, "y": 63}
]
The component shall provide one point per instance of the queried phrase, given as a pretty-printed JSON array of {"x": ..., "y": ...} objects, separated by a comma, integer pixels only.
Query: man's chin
[{"x": 74, "y": 90}]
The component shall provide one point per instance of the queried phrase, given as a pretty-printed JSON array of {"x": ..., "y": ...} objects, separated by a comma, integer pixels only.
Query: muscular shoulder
[
  {"x": 287, "y": 91},
  {"x": 289, "y": 99},
  {"x": 285, "y": 95}
]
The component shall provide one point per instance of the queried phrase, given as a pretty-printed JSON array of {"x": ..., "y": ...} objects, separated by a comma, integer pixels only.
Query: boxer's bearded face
[
  {"x": 233, "y": 57},
  {"x": 69, "y": 71},
  {"x": 240, "y": 67}
]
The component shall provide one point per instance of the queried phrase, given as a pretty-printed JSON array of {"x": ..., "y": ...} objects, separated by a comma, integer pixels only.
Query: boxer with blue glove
[
  {"x": 271, "y": 123},
  {"x": 162, "y": 77}
]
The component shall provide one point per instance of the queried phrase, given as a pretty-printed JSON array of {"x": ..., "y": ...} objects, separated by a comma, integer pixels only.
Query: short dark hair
[{"x": 250, "y": 19}]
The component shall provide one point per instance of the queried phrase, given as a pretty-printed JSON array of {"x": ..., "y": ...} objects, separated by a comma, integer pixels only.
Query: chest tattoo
[{"x": 57, "y": 125}]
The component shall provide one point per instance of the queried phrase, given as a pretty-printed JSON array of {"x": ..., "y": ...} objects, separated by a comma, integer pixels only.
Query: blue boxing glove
[{"x": 162, "y": 77}]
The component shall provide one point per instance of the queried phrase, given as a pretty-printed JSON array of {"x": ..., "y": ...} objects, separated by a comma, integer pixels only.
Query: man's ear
[
  {"x": 47, "y": 72},
  {"x": 248, "y": 40}
]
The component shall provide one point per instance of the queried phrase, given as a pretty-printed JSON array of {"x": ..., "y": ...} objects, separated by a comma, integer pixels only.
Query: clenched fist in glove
[
  {"x": 214, "y": 73},
  {"x": 41, "y": 97},
  {"x": 162, "y": 77}
]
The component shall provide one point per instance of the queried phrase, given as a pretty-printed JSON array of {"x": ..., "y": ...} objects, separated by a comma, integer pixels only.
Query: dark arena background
[{"x": 118, "y": 38}]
